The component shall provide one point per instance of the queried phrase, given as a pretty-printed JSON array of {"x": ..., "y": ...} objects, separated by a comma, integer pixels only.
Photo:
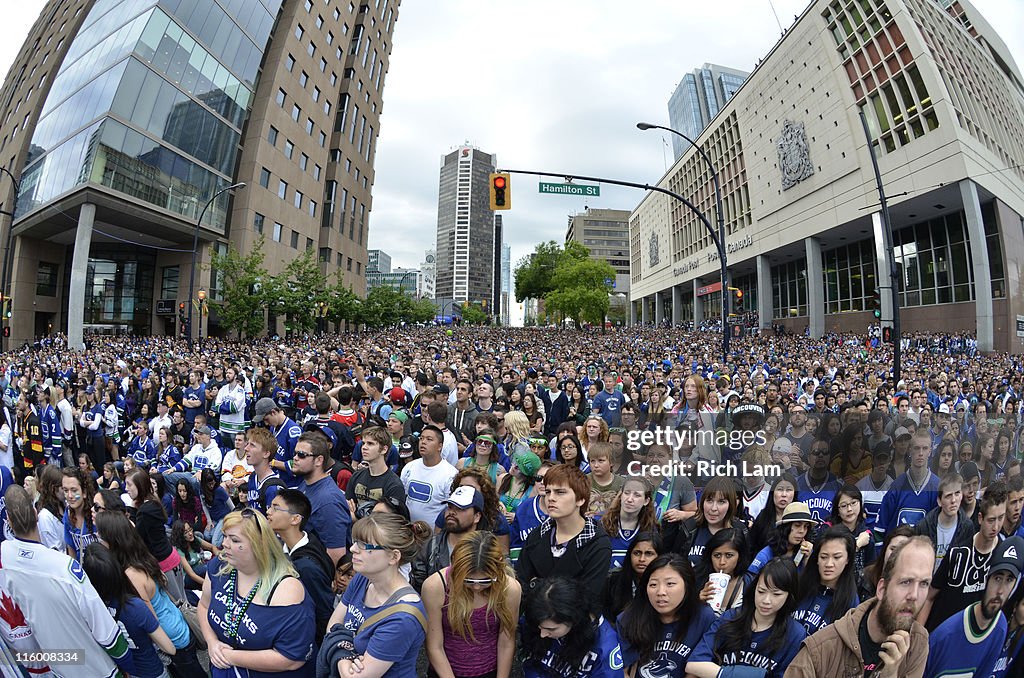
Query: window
[
  {"x": 340, "y": 259},
  {"x": 257, "y": 223},
  {"x": 323, "y": 65},
  {"x": 309, "y": 6},
  {"x": 272, "y": 135},
  {"x": 325, "y": 255},
  {"x": 277, "y": 232},
  {"x": 309, "y": 244},
  {"x": 335, "y": 155},
  {"x": 265, "y": 177},
  {"x": 316, "y": 172},
  {"x": 296, "y": 112},
  {"x": 319, "y": 21},
  {"x": 311, "y": 50},
  {"x": 334, "y": 78},
  {"x": 295, "y": 240},
  {"x": 327, "y": 107},
  {"x": 316, "y": 94},
  {"x": 303, "y": 161},
  {"x": 297, "y": 200},
  {"x": 299, "y": 31},
  {"x": 282, "y": 189},
  {"x": 289, "y": 149},
  {"x": 169, "y": 280},
  {"x": 312, "y": 208},
  {"x": 348, "y": 263},
  {"x": 309, "y": 126},
  {"x": 281, "y": 94},
  {"x": 303, "y": 79},
  {"x": 289, "y": 63},
  {"x": 323, "y": 140},
  {"x": 330, "y": 38},
  {"x": 359, "y": 268}
]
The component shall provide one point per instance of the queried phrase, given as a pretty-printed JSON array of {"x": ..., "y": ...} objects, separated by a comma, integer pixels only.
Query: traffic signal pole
[
  {"x": 719, "y": 245},
  {"x": 890, "y": 259}
]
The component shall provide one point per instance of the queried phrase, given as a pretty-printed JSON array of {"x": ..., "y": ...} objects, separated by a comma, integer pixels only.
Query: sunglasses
[
  {"x": 303, "y": 455},
  {"x": 478, "y": 582},
  {"x": 366, "y": 546},
  {"x": 253, "y": 513}
]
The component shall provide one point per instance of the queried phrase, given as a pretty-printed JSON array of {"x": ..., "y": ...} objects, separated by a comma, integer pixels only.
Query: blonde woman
[
  {"x": 254, "y": 611},
  {"x": 472, "y": 608},
  {"x": 517, "y": 428}
]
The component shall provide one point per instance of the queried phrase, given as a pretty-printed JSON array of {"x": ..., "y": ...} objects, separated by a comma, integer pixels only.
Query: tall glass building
[
  {"x": 122, "y": 119},
  {"x": 698, "y": 98}
]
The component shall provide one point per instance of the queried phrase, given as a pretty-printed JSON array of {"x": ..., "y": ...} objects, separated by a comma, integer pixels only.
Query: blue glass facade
[
  {"x": 697, "y": 99},
  {"x": 150, "y": 101}
]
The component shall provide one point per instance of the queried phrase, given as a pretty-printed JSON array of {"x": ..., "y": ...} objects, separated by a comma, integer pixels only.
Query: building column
[
  {"x": 677, "y": 306},
  {"x": 815, "y": 290},
  {"x": 698, "y": 305},
  {"x": 981, "y": 269},
  {"x": 632, "y": 312},
  {"x": 764, "y": 292},
  {"x": 886, "y": 295},
  {"x": 644, "y": 318},
  {"x": 79, "y": 266},
  {"x": 659, "y": 309}
]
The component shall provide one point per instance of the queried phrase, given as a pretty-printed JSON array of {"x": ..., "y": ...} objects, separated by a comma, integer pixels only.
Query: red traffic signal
[
  {"x": 500, "y": 190},
  {"x": 499, "y": 181}
]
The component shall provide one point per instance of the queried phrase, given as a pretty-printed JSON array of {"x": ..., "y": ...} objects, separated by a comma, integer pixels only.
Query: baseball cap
[
  {"x": 944, "y": 408},
  {"x": 901, "y": 432},
  {"x": 465, "y": 497},
  {"x": 399, "y": 415},
  {"x": 397, "y": 395},
  {"x": 441, "y": 389},
  {"x": 969, "y": 471},
  {"x": 204, "y": 430},
  {"x": 782, "y": 446},
  {"x": 1009, "y": 556},
  {"x": 264, "y": 406}
]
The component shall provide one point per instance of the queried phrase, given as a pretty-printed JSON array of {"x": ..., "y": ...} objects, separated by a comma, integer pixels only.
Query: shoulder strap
[
  {"x": 273, "y": 588},
  {"x": 395, "y": 609}
]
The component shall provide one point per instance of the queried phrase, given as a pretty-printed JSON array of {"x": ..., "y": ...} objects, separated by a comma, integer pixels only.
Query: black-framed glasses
[
  {"x": 278, "y": 509},
  {"x": 303, "y": 455}
]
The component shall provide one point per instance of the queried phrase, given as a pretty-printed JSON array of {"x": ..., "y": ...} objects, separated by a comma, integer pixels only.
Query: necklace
[{"x": 233, "y": 611}]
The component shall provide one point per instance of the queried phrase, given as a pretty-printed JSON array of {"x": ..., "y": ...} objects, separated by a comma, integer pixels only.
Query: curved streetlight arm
[{"x": 195, "y": 248}]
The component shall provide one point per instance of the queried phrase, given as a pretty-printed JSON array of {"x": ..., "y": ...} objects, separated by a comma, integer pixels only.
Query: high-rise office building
[
  {"x": 378, "y": 260},
  {"x": 465, "y": 227},
  {"x": 125, "y": 119},
  {"x": 697, "y": 99},
  {"x": 606, "y": 234},
  {"x": 506, "y": 283}
]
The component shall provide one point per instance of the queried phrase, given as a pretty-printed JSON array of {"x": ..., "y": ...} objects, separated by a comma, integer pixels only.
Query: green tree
[
  {"x": 581, "y": 289},
  {"x": 421, "y": 311},
  {"x": 384, "y": 306},
  {"x": 342, "y": 302},
  {"x": 242, "y": 303},
  {"x": 299, "y": 289},
  {"x": 474, "y": 315},
  {"x": 534, "y": 273}
]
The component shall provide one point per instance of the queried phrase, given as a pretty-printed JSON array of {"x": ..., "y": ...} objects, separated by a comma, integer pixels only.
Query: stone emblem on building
[
  {"x": 653, "y": 251},
  {"x": 794, "y": 154}
]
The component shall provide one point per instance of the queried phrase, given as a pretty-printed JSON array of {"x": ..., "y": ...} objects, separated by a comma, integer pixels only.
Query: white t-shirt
[
  {"x": 943, "y": 538},
  {"x": 7, "y": 454},
  {"x": 450, "y": 448},
  {"x": 51, "y": 531},
  {"x": 427, "y": 488}
]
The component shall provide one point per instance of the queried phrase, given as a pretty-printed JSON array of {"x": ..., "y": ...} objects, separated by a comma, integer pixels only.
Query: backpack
[{"x": 272, "y": 481}]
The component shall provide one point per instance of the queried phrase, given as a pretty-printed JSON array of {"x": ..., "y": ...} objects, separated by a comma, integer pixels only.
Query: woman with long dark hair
[
  {"x": 150, "y": 521},
  {"x": 50, "y": 506},
  {"x": 783, "y": 493},
  {"x": 791, "y": 538},
  {"x": 717, "y": 510},
  {"x": 561, "y": 638},
  {"x": 188, "y": 507},
  {"x": 631, "y": 512},
  {"x": 853, "y": 461},
  {"x": 760, "y": 633},
  {"x": 622, "y": 583},
  {"x": 129, "y": 610},
  {"x": 828, "y": 585},
  {"x": 216, "y": 504},
  {"x": 726, "y": 553},
  {"x": 79, "y": 532},
  {"x": 472, "y": 611},
  {"x": 192, "y": 549},
  {"x": 667, "y": 615},
  {"x": 569, "y": 450},
  {"x": 118, "y": 534}
]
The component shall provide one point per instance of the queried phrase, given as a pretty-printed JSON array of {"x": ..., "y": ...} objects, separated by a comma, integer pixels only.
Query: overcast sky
[{"x": 544, "y": 85}]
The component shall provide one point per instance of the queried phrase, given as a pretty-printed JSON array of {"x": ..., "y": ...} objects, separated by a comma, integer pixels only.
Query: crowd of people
[{"x": 480, "y": 502}]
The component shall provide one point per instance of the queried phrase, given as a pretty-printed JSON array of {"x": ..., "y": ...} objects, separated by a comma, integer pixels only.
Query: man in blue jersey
[
  {"x": 914, "y": 493},
  {"x": 817, "y": 487},
  {"x": 263, "y": 483},
  {"x": 969, "y": 643},
  {"x": 287, "y": 432},
  {"x": 141, "y": 448},
  {"x": 608, "y": 403}
]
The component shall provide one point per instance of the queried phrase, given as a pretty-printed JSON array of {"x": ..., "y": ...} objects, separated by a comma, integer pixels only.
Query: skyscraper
[
  {"x": 125, "y": 119},
  {"x": 465, "y": 227},
  {"x": 697, "y": 99},
  {"x": 506, "y": 283}
]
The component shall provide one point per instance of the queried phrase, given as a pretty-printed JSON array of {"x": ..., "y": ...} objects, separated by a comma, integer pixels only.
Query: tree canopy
[{"x": 567, "y": 279}]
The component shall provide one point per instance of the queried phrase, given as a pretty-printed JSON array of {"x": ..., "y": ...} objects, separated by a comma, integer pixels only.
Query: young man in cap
[
  {"x": 204, "y": 454},
  {"x": 880, "y": 637},
  {"x": 465, "y": 508},
  {"x": 969, "y": 643},
  {"x": 286, "y": 431},
  {"x": 960, "y": 579}
]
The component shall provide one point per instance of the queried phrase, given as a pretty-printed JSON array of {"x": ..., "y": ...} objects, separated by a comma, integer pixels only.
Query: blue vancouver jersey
[
  {"x": 604, "y": 661},
  {"x": 529, "y": 516},
  {"x": 819, "y": 501},
  {"x": 954, "y": 649},
  {"x": 902, "y": 505},
  {"x": 670, "y": 654},
  {"x": 620, "y": 545},
  {"x": 812, "y": 613},
  {"x": 774, "y": 664},
  {"x": 287, "y": 435}
]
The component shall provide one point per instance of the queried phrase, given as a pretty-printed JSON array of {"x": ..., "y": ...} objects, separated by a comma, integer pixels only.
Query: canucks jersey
[
  {"x": 819, "y": 500},
  {"x": 903, "y": 505},
  {"x": 529, "y": 516}
]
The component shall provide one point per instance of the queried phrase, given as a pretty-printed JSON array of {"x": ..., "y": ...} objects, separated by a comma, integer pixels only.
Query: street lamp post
[
  {"x": 401, "y": 282},
  {"x": 202, "y": 312},
  {"x": 195, "y": 248},
  {"x": 10, "y": 239},
  {"x": 721, "y": 227}
]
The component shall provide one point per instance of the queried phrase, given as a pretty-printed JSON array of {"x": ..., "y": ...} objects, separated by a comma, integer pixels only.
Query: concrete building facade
[
  {"x": 465, "y": 227},
  {"x": 605, "y": 232},
  {"x": 944, "y": 102},
  {"x": 427, "y": 281},
  {"x": 122, "y": 119},
  {"x": 698, "y": 98}
]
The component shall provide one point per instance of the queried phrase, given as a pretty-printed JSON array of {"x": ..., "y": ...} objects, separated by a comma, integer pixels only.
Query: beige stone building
[
  {"x": 944, "y": 102},
  {"x": 124, "y": 120}
]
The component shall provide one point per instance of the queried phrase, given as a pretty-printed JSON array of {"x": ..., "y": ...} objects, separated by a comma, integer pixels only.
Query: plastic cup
[{"x": 720, "y": 581}]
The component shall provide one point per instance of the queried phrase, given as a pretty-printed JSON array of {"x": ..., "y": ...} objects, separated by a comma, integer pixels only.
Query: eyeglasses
[
  {"x": 366, "y": 546},
  {"x": 278, "y": 509},
  {"x": 487, "y": 581},
  {"x": 846, "y": 505},
  {"x": 303, "y": 455}
]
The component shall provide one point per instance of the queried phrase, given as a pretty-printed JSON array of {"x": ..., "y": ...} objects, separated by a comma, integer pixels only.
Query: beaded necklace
[{"x": 233, "y": 611}]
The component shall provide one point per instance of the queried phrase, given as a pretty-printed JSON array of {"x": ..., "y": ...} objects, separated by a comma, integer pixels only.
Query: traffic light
[
  {"x": 738, "y": 304},
  {"x": 887, "y": 335},
  {"x": 876, "y": 304},
  {"x": 7, "y": 331},
  {"x": 7, "y": 308},
  {"x": 501, "y": 192}
]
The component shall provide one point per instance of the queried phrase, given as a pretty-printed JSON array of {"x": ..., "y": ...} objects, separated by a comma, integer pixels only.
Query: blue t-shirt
[
  {"x": 775, "y": 663},
  {"x": 812, "y": 613},
  {"x": 137, "y": 622},
  {"x": 198, "y": 392},
  {"x": 700, "y": 539},
  {"x": 76, "y": 537},
  {"x": 609, "y": 406},
  {"x": 289, "y": 629},
  {"x": 396, "y": 639},
  {"x": 819, "y": 501},
  {"x": 620, "y": 545},
  {"x": 669, "y": 657},
  {"x": 603, "y": 661},
  {"x": 330, "y": 518},
  {"x": 287, "y": 435}
]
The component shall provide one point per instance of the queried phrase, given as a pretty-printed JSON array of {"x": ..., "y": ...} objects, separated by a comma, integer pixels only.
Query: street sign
[{"x": 569, "y": 189}]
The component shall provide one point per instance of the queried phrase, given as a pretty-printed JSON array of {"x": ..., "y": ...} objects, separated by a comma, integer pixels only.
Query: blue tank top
[
  {"x": 289, "y": 629},
  {"x": 170, "y": 619}
]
